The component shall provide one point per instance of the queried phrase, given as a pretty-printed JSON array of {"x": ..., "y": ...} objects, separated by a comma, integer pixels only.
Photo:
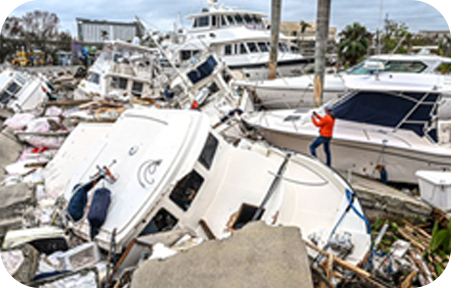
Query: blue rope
[
  {"x": 350, "y": 198},
  {"x": 373, "y": 251}
]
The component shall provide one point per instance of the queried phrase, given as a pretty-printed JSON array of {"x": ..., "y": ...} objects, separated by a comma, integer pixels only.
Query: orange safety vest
[{"x": 325, "y": 123}]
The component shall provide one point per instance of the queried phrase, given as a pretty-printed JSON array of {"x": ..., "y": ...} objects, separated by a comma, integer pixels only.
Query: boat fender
[
  {"x": 98, "y": 211},
  {"x": 77, "y": 204},
  {"x": 383, "y": 173}
]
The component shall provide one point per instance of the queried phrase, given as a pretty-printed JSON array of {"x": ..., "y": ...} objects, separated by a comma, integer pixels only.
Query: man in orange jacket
[{"x": 326, "y": 125}]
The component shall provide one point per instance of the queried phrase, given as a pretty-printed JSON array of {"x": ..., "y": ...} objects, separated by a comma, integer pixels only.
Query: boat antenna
[
  {"x": 379, "y": 30},
  {"x": 162, "y": 50},
  {"x": 405, "y": 35}
]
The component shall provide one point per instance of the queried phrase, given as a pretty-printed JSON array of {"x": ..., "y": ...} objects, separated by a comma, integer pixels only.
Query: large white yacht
[
  {"x": 173, "y": 172},
  {"x": 295, "y": 92},
  {"x": 240, "y": 38},
  {"x": 396, "y": 123}
]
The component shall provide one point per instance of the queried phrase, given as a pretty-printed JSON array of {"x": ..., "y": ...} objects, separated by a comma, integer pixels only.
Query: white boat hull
[{"x": 362, "y": 158}]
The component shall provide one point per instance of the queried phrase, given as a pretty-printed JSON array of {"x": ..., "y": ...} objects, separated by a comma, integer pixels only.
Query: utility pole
[
  {"x": 275, "y": 28},
  {"x": 322, "y": 35}
]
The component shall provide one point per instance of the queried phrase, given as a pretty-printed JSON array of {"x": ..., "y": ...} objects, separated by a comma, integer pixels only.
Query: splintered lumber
[
  {"x": 360, "y": 272},
  {"x": 67, "y": 103},
  {"x": 407, "y": 283},
  {"x": 418, "y": 229},
  {"x": 409, "y": 237},
  {"x": 440, "y": 216}
]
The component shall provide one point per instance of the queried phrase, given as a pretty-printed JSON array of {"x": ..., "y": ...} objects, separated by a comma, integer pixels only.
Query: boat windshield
[
  {"x": 390, "y": 66},
  {"x": 408, "y": 110}
]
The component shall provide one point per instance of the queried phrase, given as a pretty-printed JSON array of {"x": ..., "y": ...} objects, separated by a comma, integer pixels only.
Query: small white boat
[
  {"x": 173, "y": 172},
  {"x": 297, "y": 92},
  {"x": 399, "y": 123},
  {"x": 121, "y": 71},
  {"x": 20, "y": 91}
]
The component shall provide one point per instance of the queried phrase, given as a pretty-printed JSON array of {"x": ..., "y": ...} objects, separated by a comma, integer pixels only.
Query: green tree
[
  {"x": 397, "y": 38},
  {"x": 354, "y": 43},
  {"x": 304, "y": 25}
]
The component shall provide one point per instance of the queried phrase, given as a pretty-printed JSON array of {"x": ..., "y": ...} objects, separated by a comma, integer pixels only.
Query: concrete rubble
[{"x": 256, "y": 256}]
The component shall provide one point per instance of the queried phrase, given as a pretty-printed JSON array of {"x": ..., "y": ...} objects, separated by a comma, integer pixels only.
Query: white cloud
[{"x": 162, "y": 14}]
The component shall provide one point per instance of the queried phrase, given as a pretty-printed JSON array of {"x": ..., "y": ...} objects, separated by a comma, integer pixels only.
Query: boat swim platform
[{"x": 378, "y": 198}]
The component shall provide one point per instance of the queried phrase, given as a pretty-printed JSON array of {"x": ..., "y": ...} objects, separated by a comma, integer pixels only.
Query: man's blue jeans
[{"x": 326, "y": 144}]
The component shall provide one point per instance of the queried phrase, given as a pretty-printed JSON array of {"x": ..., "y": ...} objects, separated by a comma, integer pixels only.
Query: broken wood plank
[
  {"x": 418, "y": 229},
  {"x": 358, "y": 271},
  {"x": 407, "y": 283},
  {"x": 407, "y": 236}
]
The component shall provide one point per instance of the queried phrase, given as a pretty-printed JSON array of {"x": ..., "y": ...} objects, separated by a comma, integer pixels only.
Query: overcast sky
[{"x": 162, "y": 14}]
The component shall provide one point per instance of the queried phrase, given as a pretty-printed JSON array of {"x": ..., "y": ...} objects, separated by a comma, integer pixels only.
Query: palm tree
[
  {"x": 354, "y": 43},
  {"x": 304, "y": 26}
]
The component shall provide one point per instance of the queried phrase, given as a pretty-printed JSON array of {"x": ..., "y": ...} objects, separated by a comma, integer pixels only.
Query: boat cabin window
[
  {"x": 223, "y": 21},
  {"x": 263, "y": 47},
  {"x": 243, "y": 48},
  {"x": 161, "y": 222},
  {"x": 213, "y": 20},
  {"x": 389, "y": 66},
  {"x": 401, "y": 66},
  {"x": 252, "y": 47},
  {"x": 10, "y": 92},
  {"x": 93, "y": 77},
  {"x": 119, "y": 83},
  {"x": 188, "y": 54},
  {"x": 228, "y": 49},
  {"x": 283, "y": 47},
  {"x": 231, "y": 20},
  {"x": 239, "y": 19},
  {"x": 209, "y": 151},
  {"x": 248, "y": 19},
  {"x": 137, "y": 88},
  {"x": 203, "y": 21},
  {"x": 186, "y": 190},
  {"x": 245, "y": 215},
  {"x": 257, "y": 20}
]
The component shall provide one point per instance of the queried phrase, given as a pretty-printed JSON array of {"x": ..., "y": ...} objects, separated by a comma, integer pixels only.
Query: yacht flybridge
[
  {"x": 173, "y": 172},
  {"x": 240, "y": 38},
  {"x": 295, "y": 92},
  {"x": 399, "y": 123}
]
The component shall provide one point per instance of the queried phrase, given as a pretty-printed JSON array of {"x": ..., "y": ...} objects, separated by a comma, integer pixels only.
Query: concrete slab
[
  {"x": 256, "y": 256},
  {"x": 374, "y": 195}
]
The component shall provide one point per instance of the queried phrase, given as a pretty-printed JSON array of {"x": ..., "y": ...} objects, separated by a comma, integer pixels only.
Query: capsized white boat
[
  {"x": 173, "y": 172},
  {"x": 396, "y": 123},
  {"x": 121, "y": 71},
  {"x": 297, "y": 92},
  {"x": 20, "y": 91}
]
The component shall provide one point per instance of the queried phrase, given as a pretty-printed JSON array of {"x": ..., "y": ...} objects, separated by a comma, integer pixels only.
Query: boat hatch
[
  {"x": 186, "y": 190},
  {"x": 244, "y": 216},
  {"x": 202, "y": 71},
  {"x": 161, "y": 222},
  {"x": 10, "y": 92}
]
